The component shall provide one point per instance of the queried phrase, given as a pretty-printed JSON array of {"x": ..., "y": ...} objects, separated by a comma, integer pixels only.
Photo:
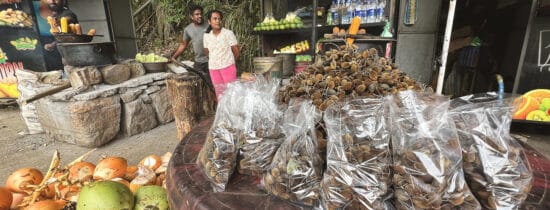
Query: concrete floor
[{"x": 18, "y": 151}]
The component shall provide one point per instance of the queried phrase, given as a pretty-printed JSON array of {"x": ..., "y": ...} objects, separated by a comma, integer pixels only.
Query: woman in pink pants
[{"x": 221, "y": 47}]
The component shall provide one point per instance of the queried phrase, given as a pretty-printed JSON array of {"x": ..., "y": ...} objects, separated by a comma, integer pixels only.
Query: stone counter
[{"x": 99, "y": 114}]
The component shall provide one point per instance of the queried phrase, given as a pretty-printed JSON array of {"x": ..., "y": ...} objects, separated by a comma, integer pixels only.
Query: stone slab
[
  {"x": 83, "y": 77},
  {"x": 159, "y": 83},
  {"x": 136, "y": 68},
  {"x": 152, "y": 89},
  {"x": 138, "y": 117},
  {"x": 85, "y": 123},
  {"x": 115, "y": 74},
  {"x": 130, "y": 95},
  {"x": 163, "y": 106},
  {"x": 99, "y": 91}
]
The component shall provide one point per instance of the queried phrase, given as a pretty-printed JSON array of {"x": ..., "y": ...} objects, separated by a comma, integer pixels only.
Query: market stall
[
  {"x": 297, "y": 31},
  {"x": 273, "y": 148}
]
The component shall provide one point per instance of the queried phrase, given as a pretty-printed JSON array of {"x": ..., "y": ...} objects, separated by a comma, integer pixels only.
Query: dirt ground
[{"x": 17, "y": 151}]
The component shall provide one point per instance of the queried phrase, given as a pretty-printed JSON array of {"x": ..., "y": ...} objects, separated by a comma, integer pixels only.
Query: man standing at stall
[
  {"x": 194, "y": 33},
  {"x": 56, "y": 9}
]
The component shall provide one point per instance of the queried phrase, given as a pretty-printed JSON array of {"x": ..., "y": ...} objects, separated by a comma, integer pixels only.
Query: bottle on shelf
[
  {"x": 349, "y": 13},
  {"x": 357, "y": 9},
  {"x": 342, "y": 11},
  {"x": 371, "y": 11},
  {"x": 333, "y": 14},
  {"x": 334, "y": 10},
  {"x": 329, "y": 18},
  {"x": 380, "y": 11},
  {"x": 363, "y": 8}
]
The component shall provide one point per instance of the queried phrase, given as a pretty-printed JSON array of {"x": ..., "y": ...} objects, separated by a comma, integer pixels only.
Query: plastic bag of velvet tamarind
[
  {"x": 296, "y": 169},
  {"x": 262, "y": 132},
  {"x": 218, "y": 156},
  {"x": 427, "y": 155},
  {"x": 358, "y": 174},
  {"x": 495, "y": 166}
]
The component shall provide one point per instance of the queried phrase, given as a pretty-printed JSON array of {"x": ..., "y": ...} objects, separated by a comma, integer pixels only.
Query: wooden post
[
  {"x": 191, "y": 101},
  {"x": 446, "y": 42}
]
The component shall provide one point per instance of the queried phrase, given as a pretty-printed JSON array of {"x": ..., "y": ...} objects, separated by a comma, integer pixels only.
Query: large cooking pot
[{"x": 87, "y": 54}]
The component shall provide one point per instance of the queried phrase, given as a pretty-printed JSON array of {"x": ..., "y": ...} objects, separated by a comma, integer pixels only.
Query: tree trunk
[{"x": 191, "y": 101}]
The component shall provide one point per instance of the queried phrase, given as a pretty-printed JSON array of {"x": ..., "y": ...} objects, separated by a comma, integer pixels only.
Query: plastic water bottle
[
  {"x": 367, "y": 2},
  {"x": 380, "y": 11},
  {"x": 348, "y": 12},
  {"x": 351, "y": 11},
  {"x": 357, "y": 7},
  {"x": 344, "y": 10},
  {"x": 371, "y": 12},
  {"x": 334, "y": 13},
  {"x": 363, "y": 11},
  {"x": 352, "y": 7}
]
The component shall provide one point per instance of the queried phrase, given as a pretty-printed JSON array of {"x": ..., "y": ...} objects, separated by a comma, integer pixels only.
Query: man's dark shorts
[{"x": 203, "y": 68}]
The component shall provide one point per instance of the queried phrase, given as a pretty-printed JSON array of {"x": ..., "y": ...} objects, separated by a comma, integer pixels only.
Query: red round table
[{"x": 188, "y": 188}]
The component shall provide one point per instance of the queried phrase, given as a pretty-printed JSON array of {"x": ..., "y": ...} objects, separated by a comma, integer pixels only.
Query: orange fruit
[
  {"x": 110, "y": 168},
  {"x": 538, "y": 94},
  {"x": 152, "y": 161},
  {"x": 81, "y": 171},
  {"x": 5, "y": 198},
  {"x": 527, "y": 105}
]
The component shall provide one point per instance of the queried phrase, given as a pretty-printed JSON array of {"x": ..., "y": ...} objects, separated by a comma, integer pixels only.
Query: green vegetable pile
[{"x": 150, "y": 58}]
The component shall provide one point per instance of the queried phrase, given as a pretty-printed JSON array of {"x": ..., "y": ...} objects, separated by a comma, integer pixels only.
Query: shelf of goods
[
  {"x": 319, "y": 28},
  {"x": 308, "y": 20}
]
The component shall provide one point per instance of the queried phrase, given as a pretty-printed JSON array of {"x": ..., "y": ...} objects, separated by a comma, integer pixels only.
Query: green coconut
[
  {"x": 151, "y": 197},
  {"x": 105, "y": 195}
]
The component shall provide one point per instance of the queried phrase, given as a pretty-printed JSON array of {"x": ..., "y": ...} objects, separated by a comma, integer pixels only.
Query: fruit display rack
[{"x": 275, "y": 38}]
